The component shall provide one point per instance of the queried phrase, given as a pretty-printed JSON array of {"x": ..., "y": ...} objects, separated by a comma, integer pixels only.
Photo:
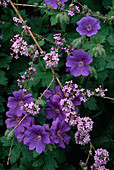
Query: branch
[
  {"x": 15, "y": 9},
  {"x": 92, "y": 14}
]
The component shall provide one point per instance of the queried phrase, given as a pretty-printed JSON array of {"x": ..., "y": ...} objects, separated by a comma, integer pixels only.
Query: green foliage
[{"x": 47, "y": 22}]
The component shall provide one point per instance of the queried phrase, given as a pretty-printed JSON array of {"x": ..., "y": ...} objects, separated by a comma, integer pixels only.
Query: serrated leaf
[
  {"x": 91, "y": 104},
  {"x": 103, "y": 75},
  {"x": 15, "y": 154},
  {"x": 4, "y": 60},
  {"x": 99, "y": 64},
  {"x": 46, "y": 78},
  {"x": 39, "y": 162},
  {"x": 110, "y": 64},
  {"x": 3, "y": 79},
  {"x": 53, "y": 20},
  {"x": 50, "y": 163}
]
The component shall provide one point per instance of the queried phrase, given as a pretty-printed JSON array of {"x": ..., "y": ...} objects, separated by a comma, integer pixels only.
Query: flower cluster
[
  {"x": 70, "y": 110},
  {"x": 101, "y": 158},
  {"x": 78, "y": 63},
  {"x": 19, "y": 46},
  {"x": 56, "y": 3},
  {"x": 33, "y": 51},
  {"x": 17, "y": 20},
  {"x": 84, "y": 126},
  {"x": 26, "y": 77},
  {"x": 4, "y": 3},
  {"x": 58, "y": 39},
  {"x": 32, "y": 108},
  {"x": 51, "y": 59},
  {"x": 73, "y": 9}
]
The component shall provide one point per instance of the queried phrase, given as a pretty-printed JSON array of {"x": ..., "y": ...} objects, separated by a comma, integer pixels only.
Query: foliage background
[{"x": 100, "y": 110}]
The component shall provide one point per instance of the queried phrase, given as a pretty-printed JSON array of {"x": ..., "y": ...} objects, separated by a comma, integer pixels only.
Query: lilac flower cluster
[
  {"x": 17, "y": 20},
  {"x": 4, "y": 3},
  {"x": 101, "y": 158},
  {"x": 19, "y": 46},
  {"x": 81, "y": 95},
  {"x": 84, "y": 126},
  {"x": 56, "y": 3},
  {"x": 73, "y": 9},
  {"x": 58, "y": 39},
  {"x": 33, "y": 51},
  {"x": 51, "y": 59},
  {"x": 78, "y": 63},
  {"x": 70, "y": 110},
  {"x": 32, "y": 108},
  {"x": 26, "y": 77}
]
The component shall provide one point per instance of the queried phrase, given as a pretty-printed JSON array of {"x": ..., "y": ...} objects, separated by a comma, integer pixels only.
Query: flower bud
[{"x": 99, "y": 50}]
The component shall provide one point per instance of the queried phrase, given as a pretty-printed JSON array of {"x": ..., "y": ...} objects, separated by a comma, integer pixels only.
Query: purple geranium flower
[
  {"x": 88, "y": 26},
  {"x": 13, "y": 121},
  {"x": 78, "y": 63},
  {"x": 16, "y": 103},
  {"x": 54, "y": 3},
  {"x": 56, "y": 109},
  {"x": 35, "y": 137},
  {"x": 58, "y": 130},
  {"x": 57, "y": 90}
]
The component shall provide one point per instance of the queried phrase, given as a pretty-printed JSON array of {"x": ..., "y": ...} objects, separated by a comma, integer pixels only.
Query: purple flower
[
  {"x": 58, "y": 130},
  {"x": 16, "y": 103},
  {"x": 54, "y": 3},
  {"x": 88, "y": 26},
  {"x": 78, "y": 63},
  {"x": 56, "y": 109},
  {"x": 35, "y": 137},
  {"x": 57, "y": 90},
  {"x": 13, "y": 121}
]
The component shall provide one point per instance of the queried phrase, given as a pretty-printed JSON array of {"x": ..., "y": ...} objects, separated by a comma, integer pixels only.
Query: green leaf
[
  {"x": 53, "y": 20},
  {"x": 91, "y": 104},
  {"x": 50, "y": 163},
  {"x": 46, "y": 78},
  {"x": 40, "y": 161},
  {"x": 110, "y": 64},
  {"x": 3, "y": 79},
  {"x": 99, "y": 64},
  {"x": 103, "y": 75},
  {"x": 4, "y": 60}
]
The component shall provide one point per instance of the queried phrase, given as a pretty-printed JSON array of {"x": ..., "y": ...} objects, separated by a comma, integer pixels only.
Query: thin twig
[
  {"x": 18, "y": 124},
  {"x": 15, "y": 9},
  {"x": 105, "y": 97},
  {"x": 45, "y": 90},
  {"x": 92, "y": 14},
  {"x": 44, "y": 38},
  {"x": 10, "y": 152},
  {"x": 90, "y": 153}
]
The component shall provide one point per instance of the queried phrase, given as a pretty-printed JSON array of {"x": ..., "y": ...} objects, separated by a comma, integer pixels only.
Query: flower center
[
  {"x": 88, "y": 27},
  {"x": 58, "y": 132},
  {"x": 21, "y": 103},
  {"x": 38, "y": 137},
  {"x": 18, "y": 119},
  {"x": 81, "y": 63}
]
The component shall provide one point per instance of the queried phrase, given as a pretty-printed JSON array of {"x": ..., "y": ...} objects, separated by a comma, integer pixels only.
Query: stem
[
  {"x": 45, "y": 91},
  {"x": 105, "y": 97},
  {"x": 44, "y": 38},
  {"x": 15, "y": 9},
  {"x": 18, "y": 124},
  {"x": 92, "y": 14},
  {"x": 10, "y": 152}
]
